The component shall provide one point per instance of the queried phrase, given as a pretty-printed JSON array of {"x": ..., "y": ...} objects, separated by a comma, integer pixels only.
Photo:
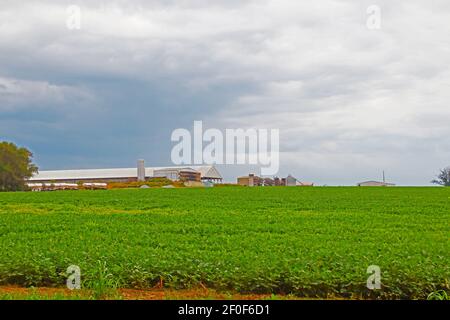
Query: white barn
[{"x": 207, "y": 173}]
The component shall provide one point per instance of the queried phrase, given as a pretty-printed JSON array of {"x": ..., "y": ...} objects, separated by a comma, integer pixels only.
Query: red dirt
[{"x": 134, "y": 294}]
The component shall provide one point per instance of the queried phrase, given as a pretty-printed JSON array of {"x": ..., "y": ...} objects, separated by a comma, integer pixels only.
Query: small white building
[{"x": 375, "y": 184}]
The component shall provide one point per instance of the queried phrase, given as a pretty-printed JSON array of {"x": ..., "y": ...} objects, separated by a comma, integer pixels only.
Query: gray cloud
[{"x": 349, "y": 101}]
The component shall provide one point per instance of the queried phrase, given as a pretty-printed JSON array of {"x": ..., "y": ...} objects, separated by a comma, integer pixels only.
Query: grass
[
  {"x": 438, "y": 295},
  {"x": 38, "y": 296},
  {"x": 307, "y": 242},
  {"x": 16, "y": 293}
]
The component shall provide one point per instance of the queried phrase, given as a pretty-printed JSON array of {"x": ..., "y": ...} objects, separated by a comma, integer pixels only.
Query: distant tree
[
  {"x": 15, "y": 167},
  {"x": 443, "y": 178}
]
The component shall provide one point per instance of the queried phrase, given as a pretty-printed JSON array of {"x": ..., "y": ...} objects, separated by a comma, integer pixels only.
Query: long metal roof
[{"x": 205, "y": 171}]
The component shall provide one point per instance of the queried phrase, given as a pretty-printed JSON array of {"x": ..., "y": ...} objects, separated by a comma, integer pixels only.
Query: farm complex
[
  {"x": 191, "y": 176},
  {"x": 98, "y": 178},
  {"x": 140, "y": 173}
]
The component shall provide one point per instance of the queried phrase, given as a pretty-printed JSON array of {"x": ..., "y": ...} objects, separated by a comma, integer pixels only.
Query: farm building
[
  {"x": 184, "y": 174},
  {"x": 64, "y": 186},
  {"x": 251, "y": 181},
  {"x": 141, "y": 173},
  {"x": 290, "y": 181},
  {"x": 375, "y": 184}
]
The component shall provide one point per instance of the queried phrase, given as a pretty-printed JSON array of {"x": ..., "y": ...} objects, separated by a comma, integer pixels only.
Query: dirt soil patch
[{"x": 134, "y": 294}]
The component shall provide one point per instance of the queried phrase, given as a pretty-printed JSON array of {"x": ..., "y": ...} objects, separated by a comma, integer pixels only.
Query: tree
[
  {"x": 443, "y": 178},
  {"x": 16, "y": 167}
]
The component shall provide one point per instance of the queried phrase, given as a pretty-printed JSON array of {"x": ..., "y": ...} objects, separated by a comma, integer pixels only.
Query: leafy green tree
[
  {"x": 15, "y": 167},
  {"x": 443, "y": 178}
]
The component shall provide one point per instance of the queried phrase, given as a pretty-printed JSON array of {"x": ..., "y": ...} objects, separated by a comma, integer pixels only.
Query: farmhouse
[{"x": 141, "y": 173}]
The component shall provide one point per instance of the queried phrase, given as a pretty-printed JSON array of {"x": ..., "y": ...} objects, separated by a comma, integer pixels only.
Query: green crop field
[{"x": 307, "y": 242}]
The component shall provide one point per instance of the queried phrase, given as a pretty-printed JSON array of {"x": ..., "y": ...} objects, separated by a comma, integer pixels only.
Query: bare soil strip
[{"x": 134, "y": 294}]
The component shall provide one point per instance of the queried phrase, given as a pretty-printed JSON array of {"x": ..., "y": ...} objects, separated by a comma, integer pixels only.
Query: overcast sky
[{"x": 349, "y": 101}]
